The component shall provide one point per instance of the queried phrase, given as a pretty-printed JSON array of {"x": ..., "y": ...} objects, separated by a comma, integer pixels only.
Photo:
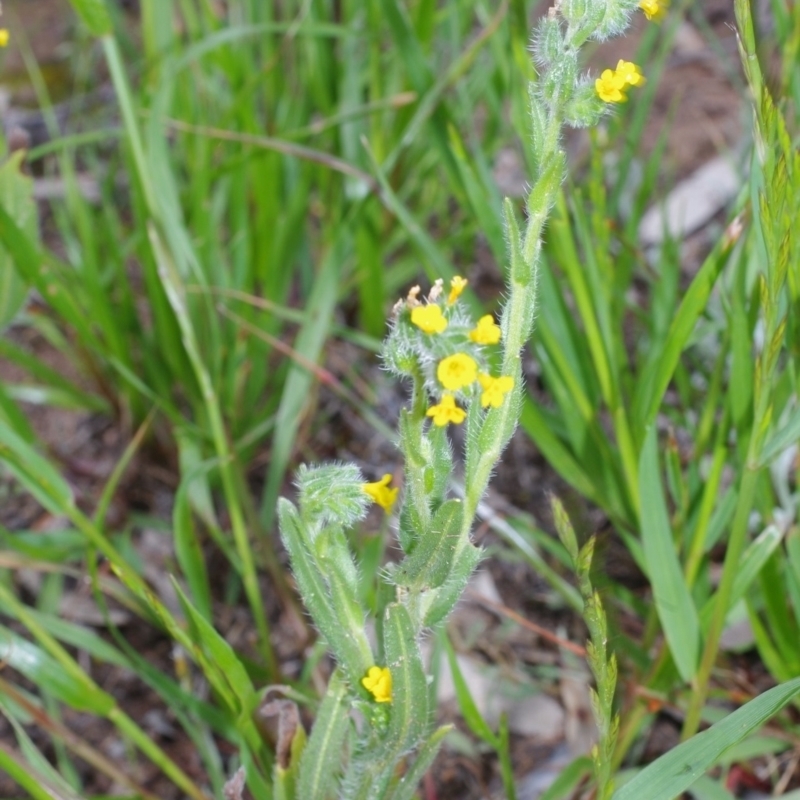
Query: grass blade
[
  {"x": 16, "y": 197},
  {"x": 674, "y": 603},
  {"x": 678, "y": 769}
]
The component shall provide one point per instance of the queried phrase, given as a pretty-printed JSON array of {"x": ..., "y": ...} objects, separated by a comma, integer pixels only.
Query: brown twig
[{"x": 505, "y": 611}]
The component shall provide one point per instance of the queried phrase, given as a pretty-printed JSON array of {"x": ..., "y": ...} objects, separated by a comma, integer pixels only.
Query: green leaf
[
  {"x": 536, "y": 425},
  {"x": 13, "y": 416},
  {"x": 321, "y": 762},
  {"x": 34, "y": 472},
  {"x": 57, "y": 546},
  {"x": 750, "y": 565},
  {"x": 221, "y": 655},
  {"x": 564, "y": 785},
  {"x": 477, "y": 724},
  {"x": 446, "y": 597},
  {"x": 674, "y": 603},
  {"x": 662, "y": 361},
  {"x": 781, "y": 439},
  {"x": 94, "y": 14},
  {"x": 16, "y": 197},
  {"x": 707, "y": 789},
  {"x": 19, "y": 770},
  {"x": 429, "y": 564},
  {"x": 409, "y": 720},
  {"x": 45, "y": 772},
  {"x": 677, "y": 770},
  {"x": 308, "y": 346},
  {"x": 50, "y": 676},
  {"x": 520, "y": 268},
  {"x": 408, "y": 783},
  {"x": 354, "y": 656},
  {"x": 188, "y": 549},
  {"x": 340, "y": 573}
]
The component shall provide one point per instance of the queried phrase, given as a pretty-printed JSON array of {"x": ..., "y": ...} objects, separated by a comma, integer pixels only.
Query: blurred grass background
[{"x": 264, "y": 181}]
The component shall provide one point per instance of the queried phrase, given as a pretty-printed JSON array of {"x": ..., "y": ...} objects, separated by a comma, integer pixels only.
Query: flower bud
[
  {"x": 615, "y": 20},
  {"x": 574, "y": 11},
  {"x": 399, "y": 356},
  {"x": 548, "y": 41},
  {"x": 558, "y": 82},
  {"x": 331, "y": 493},
  {"x": 585, "y": 108}
]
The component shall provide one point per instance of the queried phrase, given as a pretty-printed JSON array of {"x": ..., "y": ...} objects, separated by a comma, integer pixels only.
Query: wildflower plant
[{"x": 447, "y": 357}]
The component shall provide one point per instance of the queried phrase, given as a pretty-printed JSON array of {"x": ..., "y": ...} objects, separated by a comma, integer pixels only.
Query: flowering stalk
[
  {"x": 602, "y": 663},
  {"x": 444, "y": 354}
]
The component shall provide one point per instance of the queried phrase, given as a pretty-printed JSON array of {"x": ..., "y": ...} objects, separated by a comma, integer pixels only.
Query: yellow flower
[
  {"x": 629, "y": 73},
  {"x": 429, "y": 318},
  {"x": 494, "y": 389},
  {"x": 3, "y": 37},
  {"x": 609, "y": 87},
  {"x": 446, "y": 411},
  {"x": 378, "y": 682},
  {"x": 654, "y": 9},
  {"x": 486, "y": 331},
  {"x": 381, "y": 493},
  {"x": 457, "y": 285},
  {"x": 457, "y": 371}
]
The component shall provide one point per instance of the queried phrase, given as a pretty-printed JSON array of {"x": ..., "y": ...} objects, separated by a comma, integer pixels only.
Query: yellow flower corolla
[
  {"x": 381, "y": 493},
  {"x": 609, "y": 87},
  {"x": 611, "y": 84},
  {"x": 4, "y": 37},
  {"x": 629, "y": 73},
  {"x": 494, "y": 389},
  {"x": 486, "y": 331},
  {"x": 429, "y": 318},
  {"x": 446, "y": 411},
  {"x": 378, "y": 682},
  {"x": 457, "y": 285},
  {"x": 654, "y": 9},
  {"x": 457, "y": 371}
]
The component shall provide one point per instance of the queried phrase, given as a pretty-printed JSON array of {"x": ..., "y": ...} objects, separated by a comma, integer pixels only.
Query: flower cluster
[
  {"x": 612, "y": 85},
  {"x": 435, "y": 339}
]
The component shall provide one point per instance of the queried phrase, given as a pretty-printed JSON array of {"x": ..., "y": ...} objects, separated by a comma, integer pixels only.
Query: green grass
[{"x": 270, "y": 184}]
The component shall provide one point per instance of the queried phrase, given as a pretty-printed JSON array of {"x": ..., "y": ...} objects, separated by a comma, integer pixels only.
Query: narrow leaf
[
  {"x": 16, "y": 197},
  {"x": 321, "y": 761},
  {"x": 409, "y": 719},
  {"x": 407, "y": 786},
  {"x": 677, "y": 770},
  {"x": 430, "y": 563},
  {"x": 472, "y": 716},
  {"x": 674, "y": 603},
  {"x": 94, "y": 14}
]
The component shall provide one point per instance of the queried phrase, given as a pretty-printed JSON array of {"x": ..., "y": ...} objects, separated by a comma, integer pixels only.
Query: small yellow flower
[
  {"x": 4, "y": 37},
  {"x": 609, "y": 87},
  {"x": 446, "y": 411},
  {"x": 378, "y": 682},
  {"x": 494, "y": 389},
  {"x": 429, "y": 318},
  {"x": 629, "y": 73},
  {"x": 654, "y": 9},
  {"x": 486, "y": 331},
  {"x": 457, "y": 285},
  {"x": 457, "y": 371},
  {"x": 381, "y": 493}
]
